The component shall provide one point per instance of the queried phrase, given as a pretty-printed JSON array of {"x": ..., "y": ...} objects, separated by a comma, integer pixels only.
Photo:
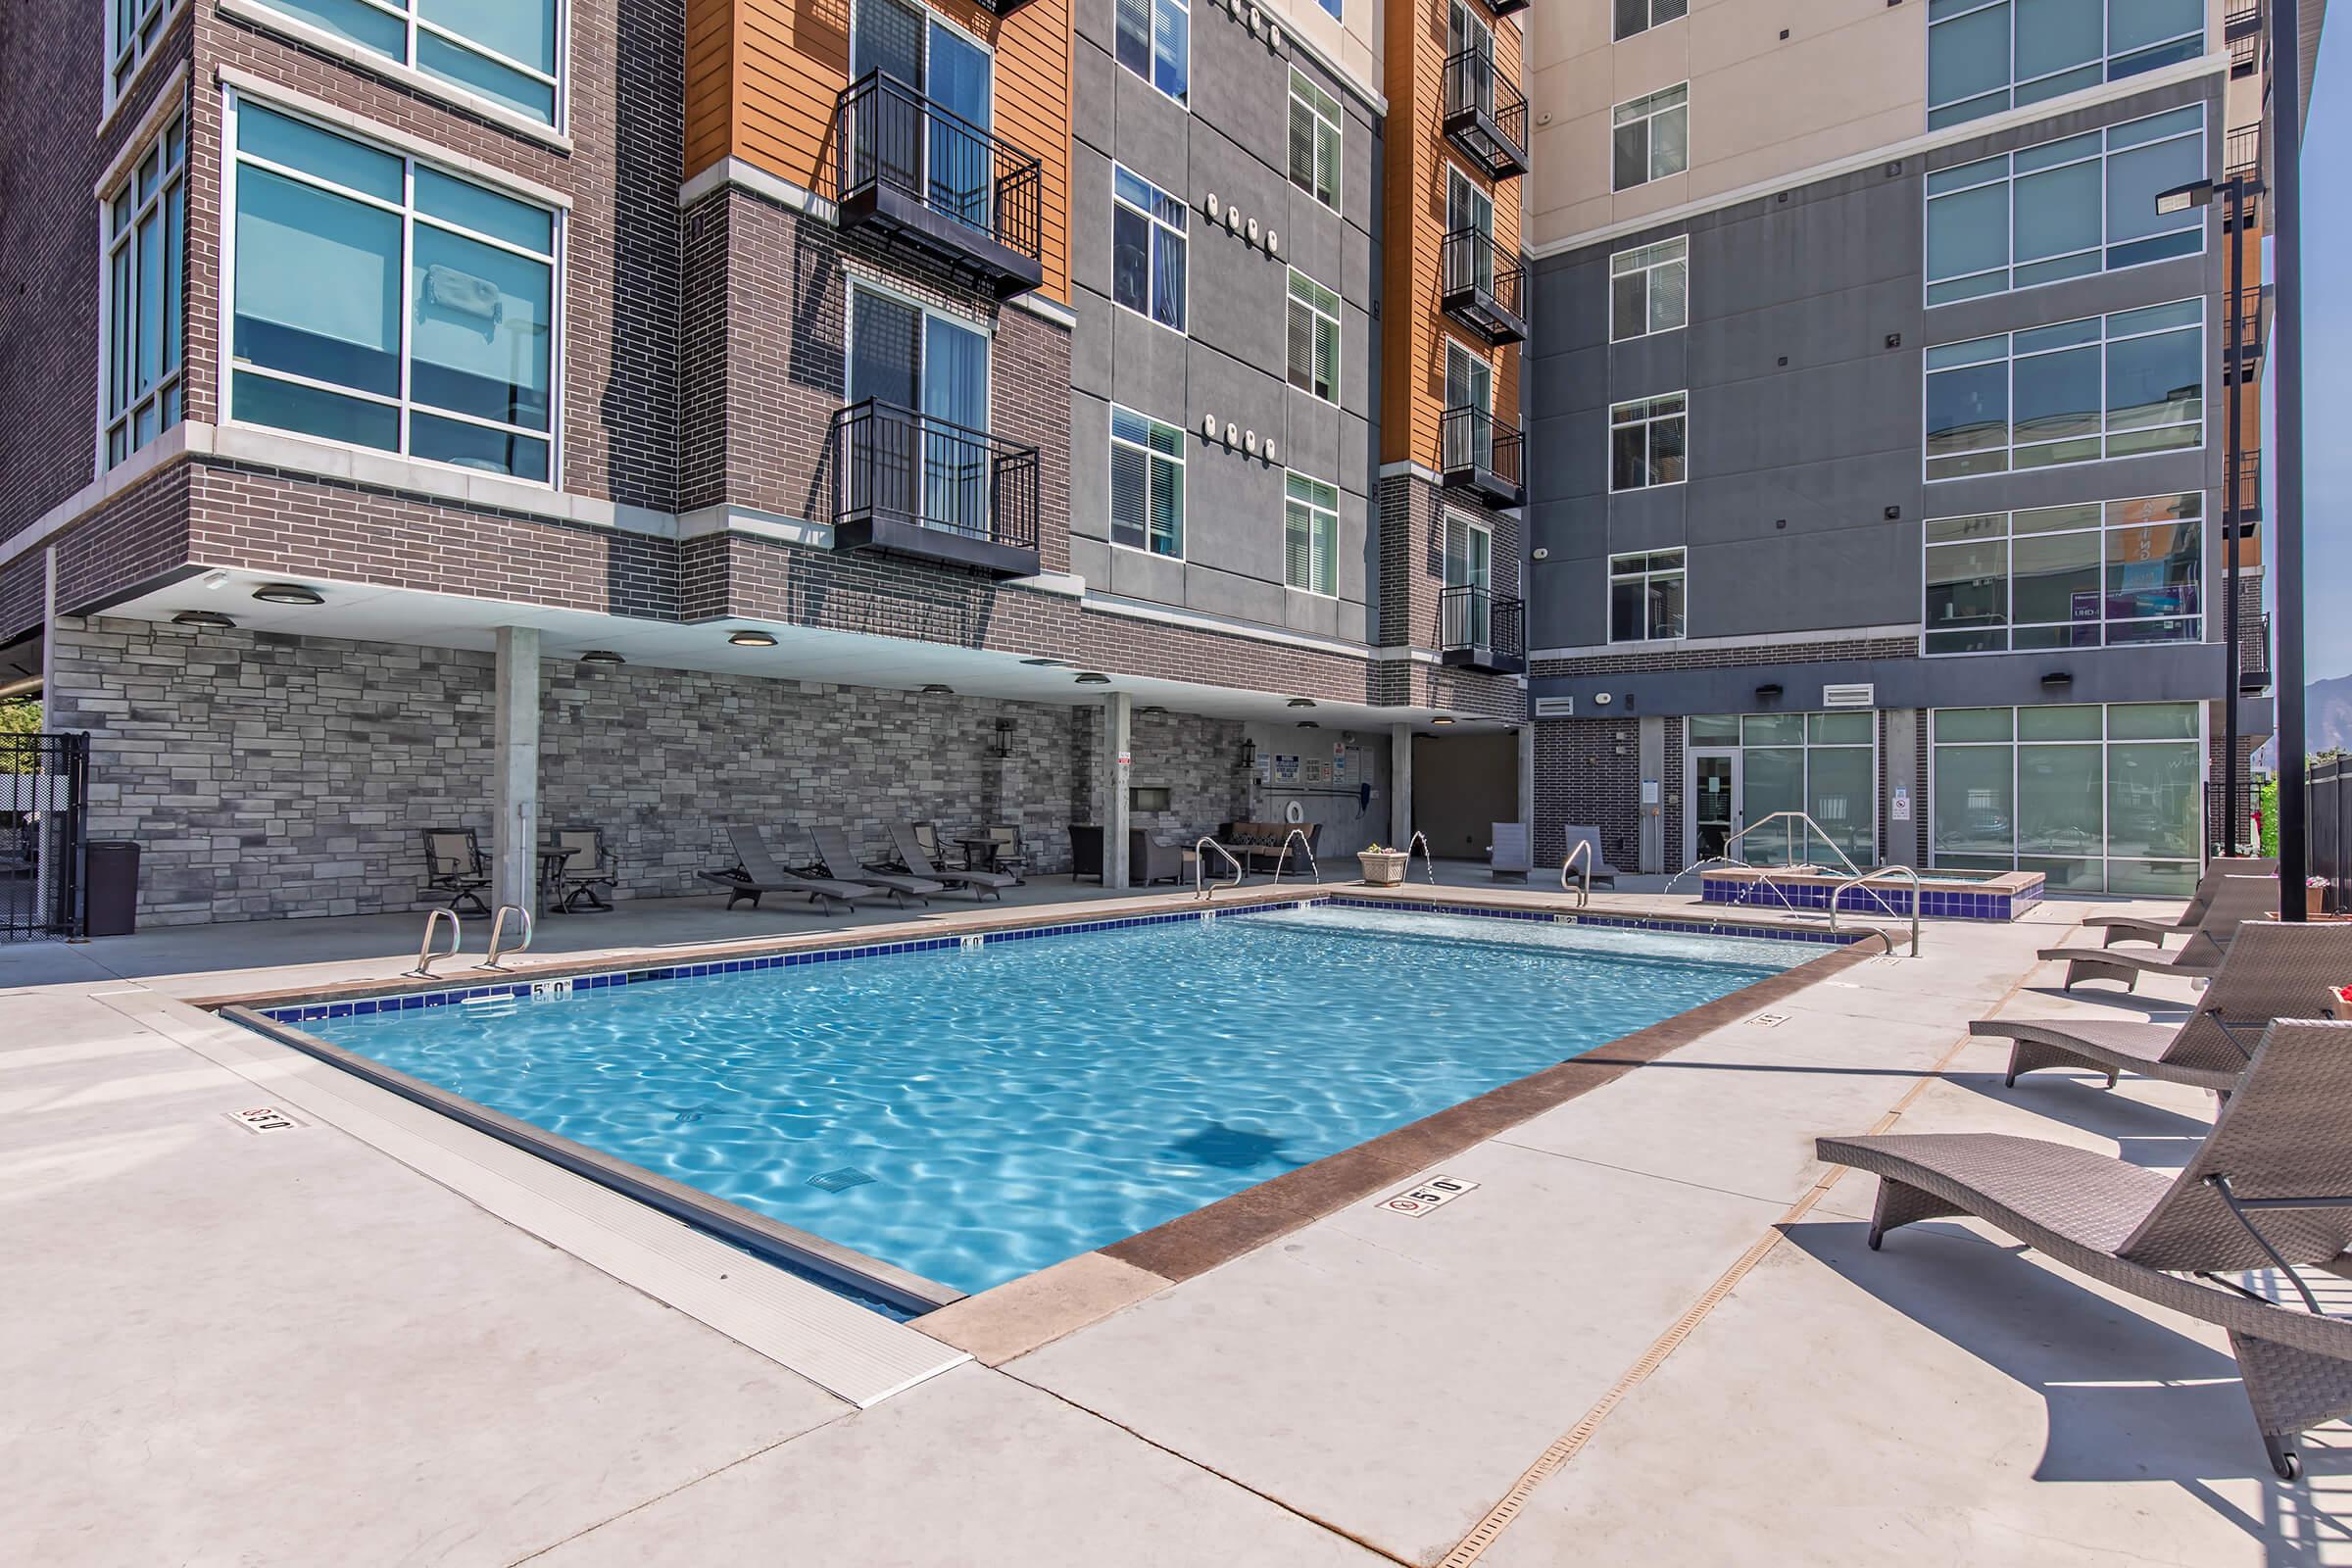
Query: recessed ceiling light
[
  {"x": 935, "y": 689},
  {"x": 288, "y": 592},
  {"x": 1149, "y": 710},
  {"x": 752, "y": 638},
  {"x": 1048, "y": 664},
  {"x": 1303, "y": 702},
  {"x": 204, "y": 617},
  {"x": 1308, "y": 723},
  {"x": 1441, "y": 719},
  {"x": 1094, "y": 678},
  {"x": 602, "y": 655}
]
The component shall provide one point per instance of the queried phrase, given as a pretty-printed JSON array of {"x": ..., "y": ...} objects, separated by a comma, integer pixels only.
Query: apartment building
[
  {"x": 657, "y": 413},
  {"x": 1883, "y": 421}
]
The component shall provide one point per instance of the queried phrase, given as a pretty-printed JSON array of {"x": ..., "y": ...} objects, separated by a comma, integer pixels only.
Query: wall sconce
[
  {"x": 1003, "y": 746},
  {"x": 1769, "y": 692},
  {"x": 2057, "y": 680},
  {"x": 1249, "y": 752}
]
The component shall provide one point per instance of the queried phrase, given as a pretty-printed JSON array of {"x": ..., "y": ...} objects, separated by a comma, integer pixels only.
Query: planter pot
[
  {"x": 1384, "y": 868},
  {"x": 2317, "y": 901}
]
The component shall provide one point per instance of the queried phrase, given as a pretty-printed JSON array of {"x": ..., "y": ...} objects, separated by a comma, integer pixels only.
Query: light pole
[{"x": 2286, "y": 388}]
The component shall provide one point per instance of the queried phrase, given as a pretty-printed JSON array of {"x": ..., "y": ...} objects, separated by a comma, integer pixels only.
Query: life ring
[{"x": 1294, "y": 812}]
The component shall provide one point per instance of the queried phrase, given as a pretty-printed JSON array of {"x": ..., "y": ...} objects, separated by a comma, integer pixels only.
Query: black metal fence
[
  {"x": 885, "y": 132},
  {"x": 1486, "y": 109},
  {"x": 1480, "y": 618},
  {"x": 892, "y": 462},
  {"x": 43, "y": 786},
  {"x": 2330, "y": 824},
  {"x": 1470, "y": 263},
  {"x": 1471, "y": 439}
]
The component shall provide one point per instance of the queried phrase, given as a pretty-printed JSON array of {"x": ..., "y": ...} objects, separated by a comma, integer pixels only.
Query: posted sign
[{"x": 1431, "y": 1193}]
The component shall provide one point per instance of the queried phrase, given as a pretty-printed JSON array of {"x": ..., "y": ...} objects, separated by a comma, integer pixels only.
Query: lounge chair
[
  {"x": 1508, "y": 855},
  {"x": 2265, "y": 1192},
  {"x": 2237, "y": 900},
  {"x": 2272, "y": 970},
  {"x": 756, "y": 873},
  {"x": 841, "y": 860},
  {"x": 590, "y": 872},
  {"x": 905, "y": 838},
  {"x": 1604, "y": 875},
  {"x": 455, "y": 866},
  {"x": 2146, "y": 928}
]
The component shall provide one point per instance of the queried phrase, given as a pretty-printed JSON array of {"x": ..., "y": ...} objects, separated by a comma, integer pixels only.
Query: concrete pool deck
[{"x": 292, "y": 1347}]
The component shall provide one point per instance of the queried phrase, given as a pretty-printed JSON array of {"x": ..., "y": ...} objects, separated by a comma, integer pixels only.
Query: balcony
[
  {"x": 1483, "y": 289},
  {"x": 1508, "y": 7},
  {"x": 2241, "y": 18},
  {"x": 2249, "y": 331},
  {"x": 2245, "y": 479},
  {"x": 2254, "y": 655},
  {"x": 2242, "y": 153},
  {"x": 936, "y": 185},
  {"x": 908, "y": 485},
  {"x": 1485, "y": 116},
  {"x": 1481, "y": 629},
  {"x": 1480, "y": 454}
]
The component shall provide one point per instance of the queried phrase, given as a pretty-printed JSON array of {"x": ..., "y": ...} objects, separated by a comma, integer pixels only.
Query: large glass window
[
  {"x": 1823, "y": 765},
  {"x": 146, "y": 243},
  {"x": 1984, "y": 56},
  {"x": 1640, "y": 16},
  {"x": 2081, "y": 576},
  {"x": 2065, "y": 208},
  {"x": 133, "y": 28},
  {"x": 1314, "y": 140},
  {"x": 1647, "y": 437},
  {"x": 2101, "y": 387},
  {"x": 1645, "y": 596},
  {"x": 1147, "y": 483},
  {"x": 926, "y": 459},
  {"x": 1310, "y": 534},
  {"x": 1650, "y": 289},
  {"x": 1650, "y": 137},
  {"x": 1147, "y": 249},
  {"x": 1314, "y": 337},
  {"x": 2098, "y": 799},
  {"x": 382, "y": 302},
  {"x": 504, "y": 50},
  {"x": 1153, "y": 39}
]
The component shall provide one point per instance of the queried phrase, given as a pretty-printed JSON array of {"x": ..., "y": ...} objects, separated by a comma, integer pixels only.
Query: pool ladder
[
  {"x": 426, "y": 958},
  {"x": 1208, "y": 890},
  {"x": 498, "y": 934}
]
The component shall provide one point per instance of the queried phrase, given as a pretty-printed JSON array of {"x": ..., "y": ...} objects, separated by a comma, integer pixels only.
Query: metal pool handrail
[
  {"x": 1426, "y": 864},
  {"x": 1584, "y": 887},
  {"x": 1305, "y": 849},
  {"x": 1791, "y": 818},
  {"x": 497, "y": 933},
  {"x": 426, "y": 958},
  {"x": 1866, "y": 877},
  {"x": 1209, "y": 890}
]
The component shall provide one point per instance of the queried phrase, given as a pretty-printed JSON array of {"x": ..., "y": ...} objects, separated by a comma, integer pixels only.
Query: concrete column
[
  {"x": 516, "y": 768},
  {"x": 1527, "y": 786},
  {"x": 1651, "y": 807},
  {"x": 1902, "y": 784},
  {"x": 1401, "y": 786},
  {"x": 1118, "y": 766}
]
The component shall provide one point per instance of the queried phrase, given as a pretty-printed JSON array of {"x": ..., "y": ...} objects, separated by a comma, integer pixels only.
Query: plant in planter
[
  {"x": 2315, "y": 889},
  {"x": 1382, "y": 868}
]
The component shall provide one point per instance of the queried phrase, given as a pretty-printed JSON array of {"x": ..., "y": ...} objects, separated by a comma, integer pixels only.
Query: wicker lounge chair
[
  {"x": 2265, "y": 1192},
  {"x": 2145, "y": 928},
  {"x": 456, "y": 867},
  {"x": 841, "y": 859},
  {"x": 2237, "y": 900},
  {"x": 1604, "y": 875},
  {"x": 904, "y": 837},
  {"x": 756, "y": 873},
  {"x": 2272, "y": 970}
]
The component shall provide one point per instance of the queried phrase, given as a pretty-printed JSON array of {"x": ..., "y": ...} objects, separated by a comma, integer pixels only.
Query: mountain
[{"x": 2327, "y": 715}]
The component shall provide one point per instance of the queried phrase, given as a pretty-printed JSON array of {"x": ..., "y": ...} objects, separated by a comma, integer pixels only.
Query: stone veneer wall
[{"x": 267, "y": 776}]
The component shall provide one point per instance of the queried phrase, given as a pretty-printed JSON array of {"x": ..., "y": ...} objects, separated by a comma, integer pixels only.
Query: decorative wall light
[{"x": 752, "y": 638}]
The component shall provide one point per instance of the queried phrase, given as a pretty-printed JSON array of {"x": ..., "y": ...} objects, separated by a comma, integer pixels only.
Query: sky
[{"x": 2328, "y": 358}]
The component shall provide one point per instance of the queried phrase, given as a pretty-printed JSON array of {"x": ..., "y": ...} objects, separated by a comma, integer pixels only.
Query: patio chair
[
  {"x": 1008, "y": 855},
  {"x": 1604, "y": 875},
  {"x": 756, "y": 872},
  {"x": 839, "y": 858},
  {"x": 2272, "y": 970},
  {"x": 2238, "y": 899},
  {"x": 455, "y": 866},
  {"x": 590, "y": 872},
  {"x": 2264, "y": 1193},
  {"x": 2147, "y": 928},
  {"x": 918, "y": 862},
  {"x": 1508, "y": 855}
]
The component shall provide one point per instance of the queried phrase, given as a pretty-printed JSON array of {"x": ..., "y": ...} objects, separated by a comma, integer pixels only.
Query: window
[
  {"x": 1650, "y": 138},
  {"x": 894, "y": 141},
  {"x": 1147, "y": 483},
  {"x": 1467, "y": 33},
  {"x": 134, "y": 29},
  {"x": 1640, "y": 16},
  {"x": 1314, "y": 140},
  {"x": 1153, "y": 39},
  {"x": 1314, "y": 346},
  {"x": 1650, "y": 289},
  {"x": 146, "y": 243},
  {"x": 2098, "y": 799},
  {"x": 1645, "y": 596},
  {"x": 1469, "y": 211},
  {"x": 928, "y": 371},
  {"x": 1469, "y": 564},
  {"x": 1466, "y": 430},
  {"x": 2109, "y": 386},
  {"x": 1333, "y": 8},
  {"x": 2065, "y": 208},
  {"x": 1647, "y": 440},
  {"x": 1984, "y": 56},
  {"x": 380, "y": 302},
  {"x": 502, "y": 50},
  {"x": 1147, "y": 249},
  {"x": 1310, "y": 535},
  {"x": 1823, "y": 765},
  {"x": 2081, "y": 576}
]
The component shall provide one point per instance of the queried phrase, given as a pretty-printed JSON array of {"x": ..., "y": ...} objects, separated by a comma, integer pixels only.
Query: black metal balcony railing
[
  {"x": 1508, "y": 7},
  {"x": 1486, "y": 116},
  {"x": 2242, "y": 153},
  {"x": 906, "y": 483},
  {"x": 2254, "y": 655},
  {"x": 2245, "y": 478},
  {"x": 966, "y": 199},
  {"x": 1480, "y": 454},
  {"x": 2248, "y": 332},
  {"x": 2241, "y": 17},
  {"x": 1481, "y": 629},
  {"x": 1482, "y": 287}
]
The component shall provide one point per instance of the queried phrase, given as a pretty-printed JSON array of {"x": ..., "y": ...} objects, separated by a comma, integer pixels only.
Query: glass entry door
[
  {"x": 1713, "y": 813},
  {"x": 1470, "y": 563}
]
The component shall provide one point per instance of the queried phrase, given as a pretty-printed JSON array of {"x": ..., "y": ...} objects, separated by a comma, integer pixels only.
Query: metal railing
[
  {"x": 44, "y": 783},
  {"x": 1486, "y": 114},
  {"x": 2241, "y": 17},
  {"x": 1788, "y": 821},
  {"x": 1305, "y": 847},
  {"x": 1584, "y": 886},
  {"x": 2245, "y": 475},
  {"x": 2251, "y": 328},
  {"x": 426, "y": 958},
  {"x": 2328, "y": 794},
  {"x": 1837, "y": 896},
  {"x": 1470, "y": 265},
  {"x": 1470, "y": 440},
  {"x": 1208, "y": 890},
  {"x": 2253, "y": 654},
  {"x": 892, "y": 462},
  {"x": 885, "y": 133},
  {"x": 498, "y": 936},
  {"x": 2242, "y": 152},
  {"x": 1480, "y": 618}
]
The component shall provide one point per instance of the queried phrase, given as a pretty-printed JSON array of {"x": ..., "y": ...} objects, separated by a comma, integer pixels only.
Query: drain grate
[
  {"x": 839, "y": 1181},
  {"x": 263, "y": 1119}
]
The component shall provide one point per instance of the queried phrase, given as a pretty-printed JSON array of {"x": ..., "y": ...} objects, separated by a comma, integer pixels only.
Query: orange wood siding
[
  {"x": 763, "y": 77},
  {"x": 1413, "y": 332}
]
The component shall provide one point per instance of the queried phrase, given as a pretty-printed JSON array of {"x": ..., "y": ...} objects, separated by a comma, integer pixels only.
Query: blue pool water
[{"x": 972, "y": 1116}]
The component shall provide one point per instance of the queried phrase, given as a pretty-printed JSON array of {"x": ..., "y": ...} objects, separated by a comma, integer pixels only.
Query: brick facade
[{"x": 1588, "y": 775}]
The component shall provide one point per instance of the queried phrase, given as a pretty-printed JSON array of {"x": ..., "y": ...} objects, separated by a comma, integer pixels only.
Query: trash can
[{"x": 111, "y": 896}]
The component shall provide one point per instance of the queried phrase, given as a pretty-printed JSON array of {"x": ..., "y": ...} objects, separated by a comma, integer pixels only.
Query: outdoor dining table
[{"x": 980, "y": 852}]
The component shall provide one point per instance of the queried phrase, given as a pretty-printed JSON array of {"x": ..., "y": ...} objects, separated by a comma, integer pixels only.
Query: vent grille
[
  {"x": 1858, "y": 694},
  {"x": 1555, "y": 708}
]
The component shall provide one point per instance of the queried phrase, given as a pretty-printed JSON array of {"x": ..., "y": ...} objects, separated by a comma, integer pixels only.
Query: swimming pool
[{"x": 976, "y": 1111}]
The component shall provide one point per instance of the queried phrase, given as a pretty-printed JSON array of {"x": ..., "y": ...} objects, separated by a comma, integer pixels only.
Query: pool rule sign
[{"x": 1431, "y": 1193}]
